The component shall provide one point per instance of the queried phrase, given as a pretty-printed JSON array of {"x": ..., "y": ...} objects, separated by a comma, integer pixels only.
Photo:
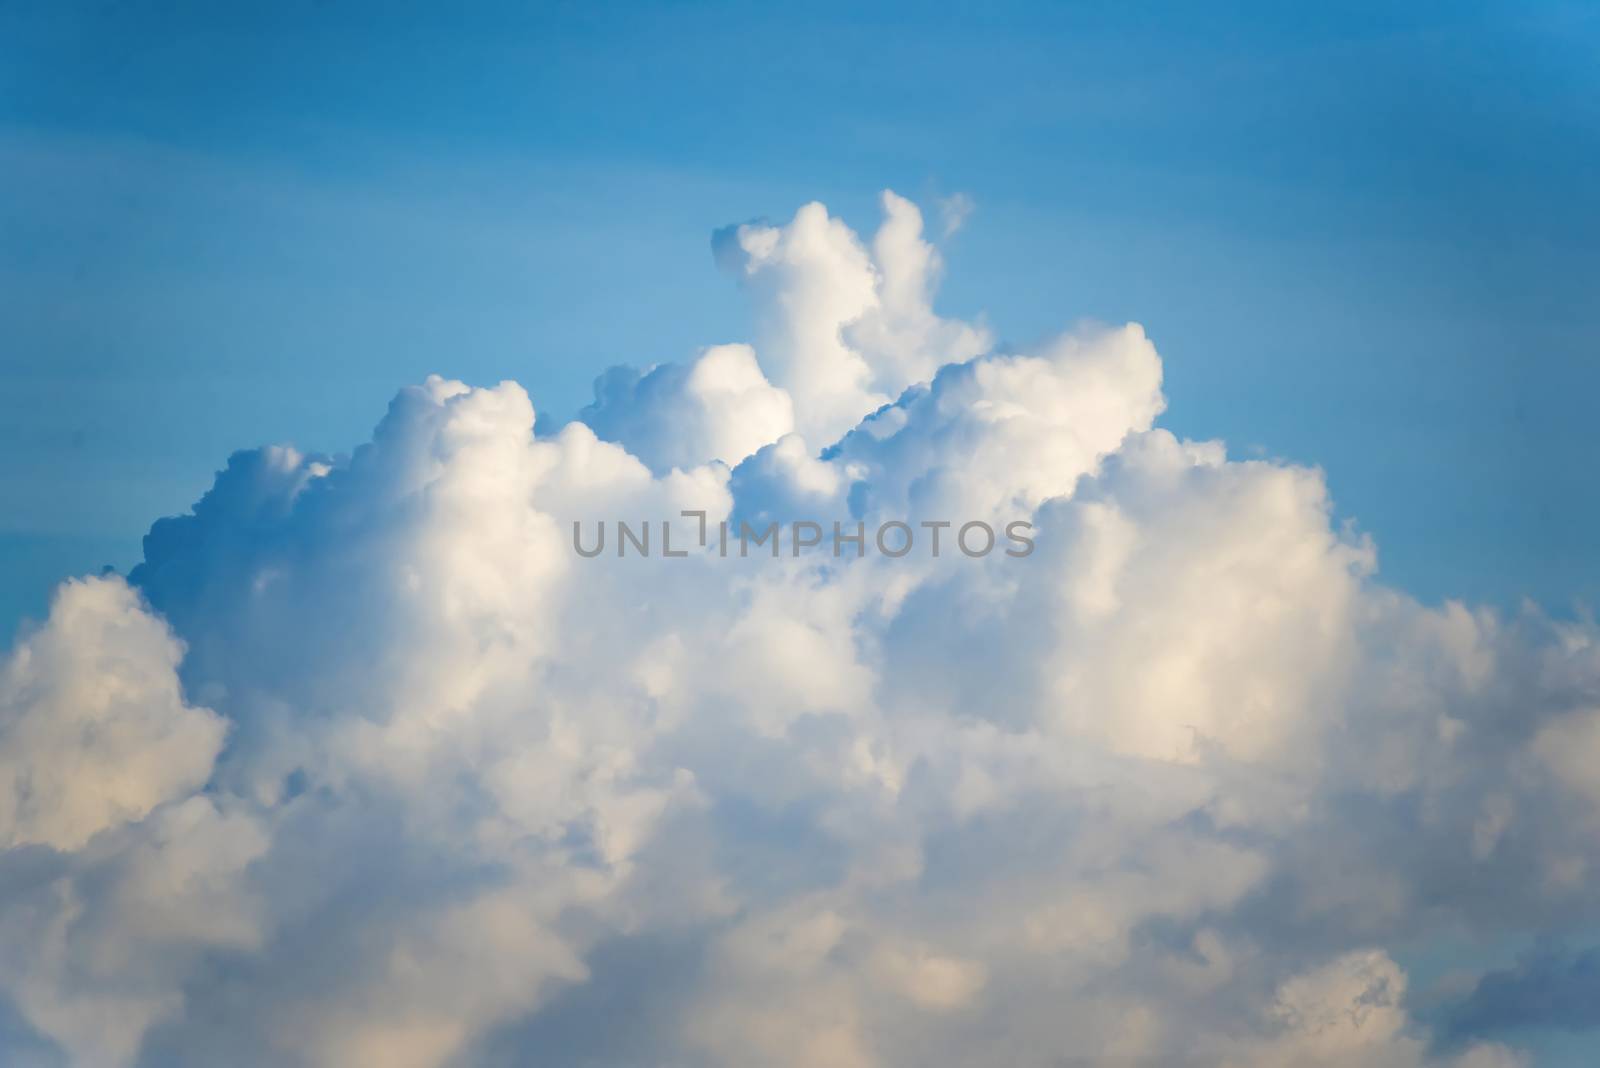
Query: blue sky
[{"x": 1361, "y": 237}]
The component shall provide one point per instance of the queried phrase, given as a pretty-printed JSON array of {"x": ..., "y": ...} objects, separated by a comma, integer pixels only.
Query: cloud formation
[{"x": 365, "y": 765}]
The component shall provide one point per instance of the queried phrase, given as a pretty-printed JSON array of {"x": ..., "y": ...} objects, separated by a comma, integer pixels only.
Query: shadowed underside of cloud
[{"x": 365, "y": 765}]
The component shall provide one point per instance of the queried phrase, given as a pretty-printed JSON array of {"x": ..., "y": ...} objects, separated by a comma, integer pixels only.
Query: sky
[
  {"x": 319, "y": 745},
  {"x": 1363, "y": 237}
]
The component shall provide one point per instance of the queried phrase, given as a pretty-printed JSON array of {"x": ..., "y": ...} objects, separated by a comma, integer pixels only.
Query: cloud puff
[
  {"x": 1180, "y": 783},
  {"x": 94, "y": 729},
  {"x": 720, "y": 407},
  {"x": 841, "y": 327}
]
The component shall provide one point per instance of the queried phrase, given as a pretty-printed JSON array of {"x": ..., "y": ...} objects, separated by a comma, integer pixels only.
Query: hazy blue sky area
[{"x": 1363, "y": 238}]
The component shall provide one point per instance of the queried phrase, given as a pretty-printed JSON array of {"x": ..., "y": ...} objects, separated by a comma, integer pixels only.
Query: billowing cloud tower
[{"x": 365, "y": 765}]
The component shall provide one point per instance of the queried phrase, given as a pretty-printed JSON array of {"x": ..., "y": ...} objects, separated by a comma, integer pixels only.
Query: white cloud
[
  {"x": 94, "y": 731},
  {"x": 1180, "y": 783},
  {"x": 720, "y": 407},
  {"x": 843, "y": 328}
]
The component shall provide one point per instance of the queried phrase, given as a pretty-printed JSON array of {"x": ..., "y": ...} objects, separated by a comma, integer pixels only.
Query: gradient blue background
[{"x": 1360, "y": 237}]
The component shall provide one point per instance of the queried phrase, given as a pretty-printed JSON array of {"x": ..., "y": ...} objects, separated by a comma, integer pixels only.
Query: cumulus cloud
[
  {"x": 719, "y": 407},
  {"x": 94, "y": 729},
  {"x": 840, "y": 326},
  {"x": 364, "y": 763}
]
